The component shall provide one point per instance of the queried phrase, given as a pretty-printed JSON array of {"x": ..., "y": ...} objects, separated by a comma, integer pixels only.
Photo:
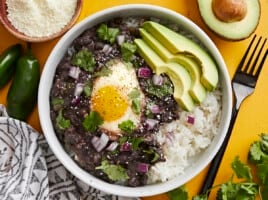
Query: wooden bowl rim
[{"x": 7, "y": 24}]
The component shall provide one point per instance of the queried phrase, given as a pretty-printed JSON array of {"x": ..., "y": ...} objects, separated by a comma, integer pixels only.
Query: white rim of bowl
[{"x": 44, "y": 107}]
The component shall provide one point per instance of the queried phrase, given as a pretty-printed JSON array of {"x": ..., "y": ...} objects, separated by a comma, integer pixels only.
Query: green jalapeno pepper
[
  {"x": 22, "y": 94},
  {"x": 8, "y": 63}
]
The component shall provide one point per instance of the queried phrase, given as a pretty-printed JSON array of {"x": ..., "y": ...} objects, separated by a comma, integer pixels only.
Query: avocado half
[{"x": 237, "y": 30}]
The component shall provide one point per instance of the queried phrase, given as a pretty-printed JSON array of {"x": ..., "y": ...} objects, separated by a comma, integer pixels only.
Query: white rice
[{"x": 182, "y": 140}]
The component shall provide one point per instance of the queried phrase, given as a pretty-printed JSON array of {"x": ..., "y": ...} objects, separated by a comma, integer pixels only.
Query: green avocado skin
[{"x": 233, "y": 30}]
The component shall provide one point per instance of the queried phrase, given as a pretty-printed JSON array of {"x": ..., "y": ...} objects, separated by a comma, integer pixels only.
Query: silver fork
[{"x": 243, "y": 83}]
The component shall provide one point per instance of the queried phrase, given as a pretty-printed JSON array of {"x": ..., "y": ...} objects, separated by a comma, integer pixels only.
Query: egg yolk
[{"x": 109, "y": 103}]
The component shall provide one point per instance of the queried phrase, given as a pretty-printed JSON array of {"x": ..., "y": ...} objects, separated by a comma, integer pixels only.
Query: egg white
[{"x": 123, "y": 78}]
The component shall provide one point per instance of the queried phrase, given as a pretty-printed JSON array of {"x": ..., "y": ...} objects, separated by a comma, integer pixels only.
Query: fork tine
[
  {"x": 252, "y": 55},
  {"x": 240, "y": 66},
  {"x": 257, "y": 58},
  {"x": 261, "y": 63}
]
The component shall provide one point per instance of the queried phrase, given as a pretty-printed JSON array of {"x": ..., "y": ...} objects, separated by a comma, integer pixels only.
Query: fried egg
[{"x": 112, "y": 100}]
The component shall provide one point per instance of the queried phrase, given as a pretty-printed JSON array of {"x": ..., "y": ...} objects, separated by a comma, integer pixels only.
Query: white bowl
[{"x": 58, "y": 52}]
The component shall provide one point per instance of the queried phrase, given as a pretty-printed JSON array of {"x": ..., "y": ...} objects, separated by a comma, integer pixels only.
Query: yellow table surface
[{"x": 253, "y": 116}]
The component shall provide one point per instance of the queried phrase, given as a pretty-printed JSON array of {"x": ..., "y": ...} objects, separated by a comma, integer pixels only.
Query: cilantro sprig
[
  {"x": 84, "y": 59},
  {"x": 106, "y": 33},
  {"x": 114, "y": 172},
  {"x": 247, "y": 188},
  {"x": 92, "y": 121}
]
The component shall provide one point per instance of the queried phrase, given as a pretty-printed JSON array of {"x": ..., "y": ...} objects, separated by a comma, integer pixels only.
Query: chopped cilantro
[
  {"x": 134, "y": 95},
  {"x": 92, "y": 121},
  {"x": 105, "y": 71},
  {"x": 136, "y": 106},
  {"x": 159, "y": 90},
  {"x": 178, "y": 194},
  {"x": 135, "y": 142},
  {"x": 84, "y": 59},
  {"x": 153, "y": 153},
  {"x": 61, "y": 122},
  {"x": 114, "y": 172},
  {"x": 128, "y": 50},
  {"x": 127, "y": 126},
  {"x": 106, "y": 33},
  {"x": 57, "y": 101},
  {"x": 87, "y": 90}
]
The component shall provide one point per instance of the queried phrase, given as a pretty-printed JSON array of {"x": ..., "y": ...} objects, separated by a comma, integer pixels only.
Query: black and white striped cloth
[{"x": 30, "y": 171}]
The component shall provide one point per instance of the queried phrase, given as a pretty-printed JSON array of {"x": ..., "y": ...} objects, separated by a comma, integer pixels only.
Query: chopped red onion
[
  {"x": 76, "y": 100},
  {"x": 190, "y": 119},
  {"x": 107, "y": 49},
  {"x": 100, "y": 142},
  {"x": 112, "y": 146},
  {"x": 74, "y": 72},
  {"x": 120, "y": 39},
  {"x": 155, "y": 109},
  {"x": 125, "y": 146},
  {"x": 78, "y": 89},
  {"x": 143, "y": 167},
  {"x": 151, "y": 123},
  {"x": 144, "y": 72},
  {"x": 158, "y": 79}
]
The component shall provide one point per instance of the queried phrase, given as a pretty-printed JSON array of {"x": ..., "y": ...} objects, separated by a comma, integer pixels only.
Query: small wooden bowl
[{"x": 7, "y": 24}]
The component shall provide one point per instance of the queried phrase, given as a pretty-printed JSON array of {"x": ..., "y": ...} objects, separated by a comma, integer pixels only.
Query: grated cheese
[{"x": 38, "y": 18}]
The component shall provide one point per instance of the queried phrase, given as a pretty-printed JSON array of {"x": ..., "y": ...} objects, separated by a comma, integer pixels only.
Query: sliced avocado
[
  {"x": 197, "y": 90},
  {"x": 177, "y": 43},
  {"x": 182, "y": 82},
  {"x": 236, "y": 30},
  {"x": 179, "y": 76},
  {"x": 149, "y": 55}
]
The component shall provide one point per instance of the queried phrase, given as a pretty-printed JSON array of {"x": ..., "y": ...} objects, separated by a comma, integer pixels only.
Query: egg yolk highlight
[{"x": 109, "y": 103}]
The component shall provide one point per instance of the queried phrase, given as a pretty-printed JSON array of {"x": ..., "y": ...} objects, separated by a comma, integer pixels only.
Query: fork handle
[{"x": 215, "y": 163}]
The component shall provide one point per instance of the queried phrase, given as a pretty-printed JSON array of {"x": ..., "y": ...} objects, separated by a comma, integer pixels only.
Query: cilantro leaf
[
  {"x": 152, "y": 153},
  {"x": 159, "y": 90},
  {"x": 61, "y": 122},
  {"x": 127, "y": 126},
  {"x": 127, "y": 51},
  {"x": 134, "y": 95},
  {"x": 107, "y": 34},
  {"x": 135, "y": 142},
  {"x": 87, "y": 89},
  {"x": 114, "y": 172},
  {"x": 84, "y": 59},
  {"x": 201, "y": 197},
  {"x": 264, "y": 192},
  {"x": 57, "y": 103},
  {"x": 264, "y": 143},
  {"x": 241, "y": 170},
  {"x": 262, "y": 172},
  {"x": 228, "y": 191},
  {"x": 92, "y": 121},
  {"x": 136, "y": 106},
  {"x": 255, "y": 153},
  {"x": 178, "y": 194},
  {"x": 105, "y": 71}
]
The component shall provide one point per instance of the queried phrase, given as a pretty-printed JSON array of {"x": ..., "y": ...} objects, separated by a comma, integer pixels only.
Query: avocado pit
[{"x": 229, "y": 10}]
